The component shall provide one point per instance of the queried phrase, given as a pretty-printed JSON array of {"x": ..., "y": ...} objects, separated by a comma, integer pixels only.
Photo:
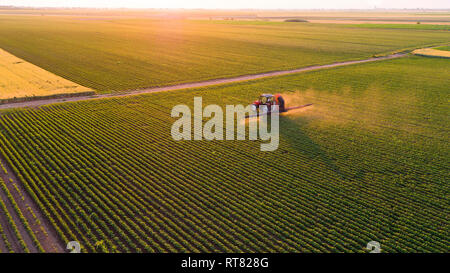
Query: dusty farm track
[
  {"x": 40, "y": 226},
  {"x": 37, "y": 103}
]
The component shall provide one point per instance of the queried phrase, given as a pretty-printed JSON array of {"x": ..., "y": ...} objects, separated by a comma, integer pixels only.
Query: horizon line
[{"x": 229, "y": 9}]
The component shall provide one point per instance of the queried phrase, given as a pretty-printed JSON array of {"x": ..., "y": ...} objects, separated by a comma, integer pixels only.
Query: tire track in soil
[{"x": 49, "y": 241}]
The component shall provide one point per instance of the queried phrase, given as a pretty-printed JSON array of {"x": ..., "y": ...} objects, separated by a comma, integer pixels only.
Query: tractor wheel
[{"x": 282, "y": 107}]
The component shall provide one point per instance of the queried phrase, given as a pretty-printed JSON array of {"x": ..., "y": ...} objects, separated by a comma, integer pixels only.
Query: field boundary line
[{"x": 213, "y": 82}]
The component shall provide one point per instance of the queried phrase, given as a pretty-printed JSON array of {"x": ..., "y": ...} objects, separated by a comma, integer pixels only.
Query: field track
[{"x": 38, "y": 103}]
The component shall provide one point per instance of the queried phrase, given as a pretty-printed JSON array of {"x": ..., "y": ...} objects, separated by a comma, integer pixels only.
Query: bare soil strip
[
  {"x": 38, "y": 103},
  {"x": 40, "y": 226}
]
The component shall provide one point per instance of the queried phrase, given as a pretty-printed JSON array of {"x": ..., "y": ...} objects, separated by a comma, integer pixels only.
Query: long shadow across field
[{"x": 294, "y": 132}]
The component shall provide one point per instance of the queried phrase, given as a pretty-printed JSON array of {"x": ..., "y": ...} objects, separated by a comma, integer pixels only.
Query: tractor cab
[
  {"x": 269, "y": 100},
  {"x": 266, "y": 99}
]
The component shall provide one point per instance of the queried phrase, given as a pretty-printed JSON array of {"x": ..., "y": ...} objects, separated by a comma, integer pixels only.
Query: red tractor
[{"x": 269, "y": 100}]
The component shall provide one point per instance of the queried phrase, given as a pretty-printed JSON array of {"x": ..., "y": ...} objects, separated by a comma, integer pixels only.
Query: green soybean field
[{"x": 368, "y": 161}]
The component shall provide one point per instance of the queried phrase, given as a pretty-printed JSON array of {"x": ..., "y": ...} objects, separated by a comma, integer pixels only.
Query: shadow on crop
[{"x": 294, "y": 132}]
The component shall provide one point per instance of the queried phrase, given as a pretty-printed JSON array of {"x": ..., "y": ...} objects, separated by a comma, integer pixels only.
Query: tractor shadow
[{"x": 294, "y": 133}]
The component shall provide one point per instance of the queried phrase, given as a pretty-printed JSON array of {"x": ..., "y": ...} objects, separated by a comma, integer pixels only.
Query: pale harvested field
[
  {"x": 432, "y": 52},
  {"x": 19, "y": 78}
]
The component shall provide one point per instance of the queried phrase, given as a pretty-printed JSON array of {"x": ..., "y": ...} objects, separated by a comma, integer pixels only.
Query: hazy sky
[{"x": 232, "y": 4}]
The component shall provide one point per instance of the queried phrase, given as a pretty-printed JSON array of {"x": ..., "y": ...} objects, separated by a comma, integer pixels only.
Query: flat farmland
[
  {"x": 19, "y": 79},
  {"x": 368, "y": 161},
  {"x": 117, "y": 54}
]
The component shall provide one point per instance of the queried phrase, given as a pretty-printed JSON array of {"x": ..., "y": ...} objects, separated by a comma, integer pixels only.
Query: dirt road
[{"x": 38, "y": 103}]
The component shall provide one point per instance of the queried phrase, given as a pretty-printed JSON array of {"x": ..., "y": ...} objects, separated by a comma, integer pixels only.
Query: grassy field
[
  {"x": 116, "y": 54},
  {"x": 446, "y": 48},
  {"x": 368, "y": 161},
  {"x": 19, "y": 78}
]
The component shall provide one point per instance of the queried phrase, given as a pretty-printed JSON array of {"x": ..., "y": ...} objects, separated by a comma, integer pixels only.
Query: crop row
[
  {"x": 22, "y": 218},
  {"x": 5, "y": 240},
  {"x": 13, "y": 226},
  {"x": 109, "y": 176},
  {"x": 360, "y": 165}
]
